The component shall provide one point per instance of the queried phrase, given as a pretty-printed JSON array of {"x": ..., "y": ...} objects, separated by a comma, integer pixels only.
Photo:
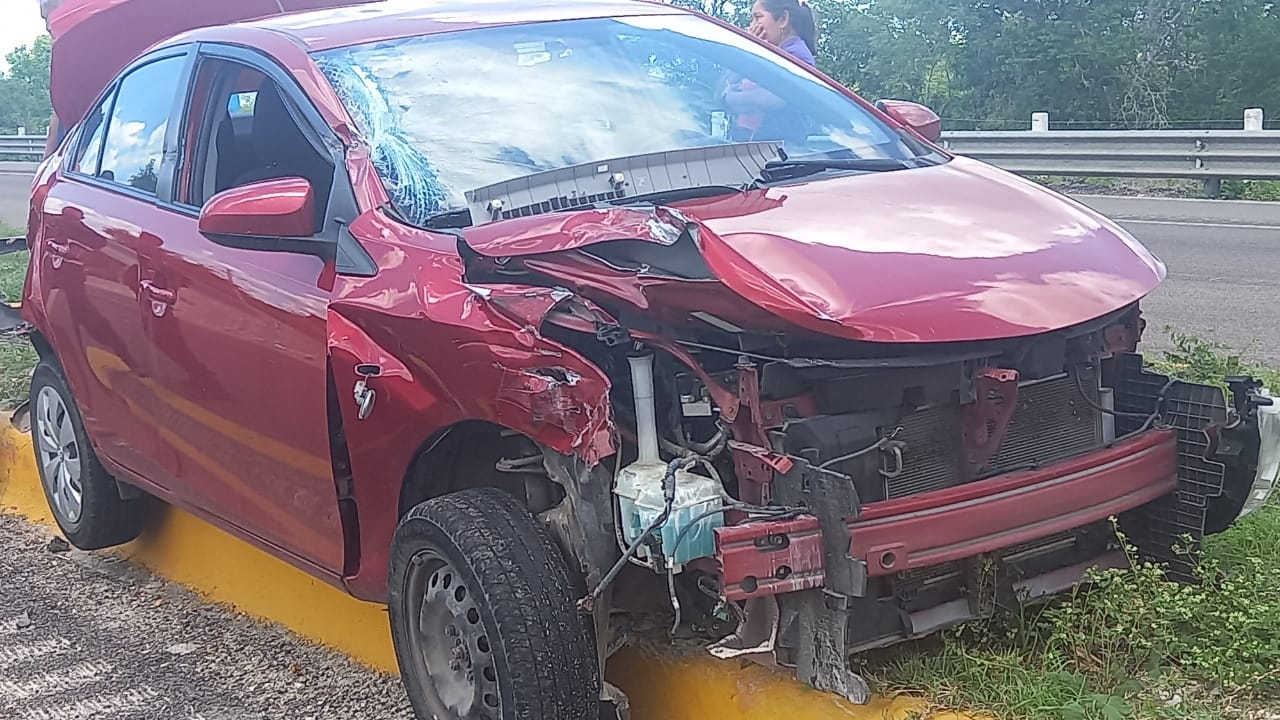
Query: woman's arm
[{"x": 749, "y": 97}]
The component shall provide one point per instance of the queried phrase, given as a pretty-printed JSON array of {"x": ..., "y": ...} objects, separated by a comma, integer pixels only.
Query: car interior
[{"x": 256, "y": 138}]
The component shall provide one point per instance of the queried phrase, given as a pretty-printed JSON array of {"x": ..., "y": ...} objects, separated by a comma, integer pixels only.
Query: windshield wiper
[{"x": 779, "y": 170}]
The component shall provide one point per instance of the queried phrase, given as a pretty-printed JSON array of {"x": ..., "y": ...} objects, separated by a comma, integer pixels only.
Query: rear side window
[
  {"x": 134, "y": 147},
  {"x": 95, "y": 127}
]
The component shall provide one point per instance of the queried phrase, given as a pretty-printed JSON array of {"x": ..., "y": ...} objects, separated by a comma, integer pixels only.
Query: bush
[{"x": 1262, "y": 190}]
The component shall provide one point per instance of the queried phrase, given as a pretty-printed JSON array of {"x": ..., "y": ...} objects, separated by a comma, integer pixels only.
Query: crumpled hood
[{"x": 957, "y": 252}]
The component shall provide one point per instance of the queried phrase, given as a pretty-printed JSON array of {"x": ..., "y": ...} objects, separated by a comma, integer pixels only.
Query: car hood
[
  {"x": 956, "y": 252},
  {"x": 93, "y": 40}
]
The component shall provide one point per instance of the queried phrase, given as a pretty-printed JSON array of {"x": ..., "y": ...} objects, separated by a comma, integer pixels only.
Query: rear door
[
  {"x": 100, "y": 227},
  {"x": 242, "y": 375}
]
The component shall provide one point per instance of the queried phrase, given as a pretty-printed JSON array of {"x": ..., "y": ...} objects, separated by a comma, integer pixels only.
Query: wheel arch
[{"x": 466, "y": 455}]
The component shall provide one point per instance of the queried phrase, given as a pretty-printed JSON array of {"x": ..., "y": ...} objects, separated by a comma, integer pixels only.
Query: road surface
[
  {"x": 1223, "y": 260},
  {"x": 15, "y": 182}
]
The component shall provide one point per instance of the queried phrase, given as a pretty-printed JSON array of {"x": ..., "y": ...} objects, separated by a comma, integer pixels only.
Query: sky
[{"x": 22, "y": 24}]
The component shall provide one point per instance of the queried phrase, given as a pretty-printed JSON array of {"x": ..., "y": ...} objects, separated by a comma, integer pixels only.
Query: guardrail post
[
  {"x": 1213, "y": 188},
  {"x": 1253, "y": 119},
  {"x": 1040, "y": 122},
  {"x": 22, "y": 131}
]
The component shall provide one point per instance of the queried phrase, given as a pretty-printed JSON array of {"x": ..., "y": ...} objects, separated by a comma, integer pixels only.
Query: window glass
[
  {"x": 135, "y": 134},
  {"x": 241, "y": 104},
  {"x": 448, "y": 113},
  {"x": 94, "y": 127}
]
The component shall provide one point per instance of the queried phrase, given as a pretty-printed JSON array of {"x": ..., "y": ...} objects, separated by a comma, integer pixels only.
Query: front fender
[{"x": 448, "y": 352}]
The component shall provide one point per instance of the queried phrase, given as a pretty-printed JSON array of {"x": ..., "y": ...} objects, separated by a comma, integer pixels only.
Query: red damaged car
[{"x": 489, "y": 312}]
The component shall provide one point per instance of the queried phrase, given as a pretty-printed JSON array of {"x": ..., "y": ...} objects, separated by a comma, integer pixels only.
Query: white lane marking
[
  {"x": 1220, "y": 226},
  {"x": 11, "y": 655},
  {"x": 100, "y": 706},
  {"x": 48, "y": 683}
]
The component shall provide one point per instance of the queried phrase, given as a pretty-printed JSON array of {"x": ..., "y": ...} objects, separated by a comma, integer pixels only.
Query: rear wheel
[
  {"x": 483, "y": 617},
  {"x": 84, "y": 498}
]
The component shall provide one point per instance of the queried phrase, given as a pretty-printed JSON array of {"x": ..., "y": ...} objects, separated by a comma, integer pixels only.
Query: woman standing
[{"x": 790, "y": 26}]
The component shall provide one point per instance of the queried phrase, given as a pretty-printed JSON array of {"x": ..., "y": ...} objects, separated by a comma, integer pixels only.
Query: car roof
[{"x": 322, "y": 30}]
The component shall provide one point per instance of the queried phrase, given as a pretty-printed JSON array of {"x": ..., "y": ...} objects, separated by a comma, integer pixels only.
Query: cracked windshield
[{"x": 450, "y": 113}]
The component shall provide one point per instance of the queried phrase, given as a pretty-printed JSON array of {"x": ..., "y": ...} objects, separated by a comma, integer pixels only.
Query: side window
[
  {"x": 244, "y": 128},
  {"x": 95, "y": 126},
  {"x": 134, "y": 146}
]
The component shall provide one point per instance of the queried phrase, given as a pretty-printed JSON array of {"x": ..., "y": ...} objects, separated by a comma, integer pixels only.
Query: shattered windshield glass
[{"x": 453, "y": 112}]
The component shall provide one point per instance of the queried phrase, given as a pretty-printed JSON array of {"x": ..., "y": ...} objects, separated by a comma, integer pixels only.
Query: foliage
[
  {"x": 1205, "y": 361},
  {"x": 1125, "y": 644},
  {"x": 17, "y": 357},
  {"x": 24, "y": 89},
  {"x": 990, "y": 64},
  {"x": 1261, "y": 190}
]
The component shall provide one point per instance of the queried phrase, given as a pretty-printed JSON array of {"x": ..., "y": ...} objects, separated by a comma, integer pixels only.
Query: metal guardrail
[
  {"x": 1200, "y": 154},
  {"x": 1208, "y": 155},
  {"x": 27, "y": 147}
]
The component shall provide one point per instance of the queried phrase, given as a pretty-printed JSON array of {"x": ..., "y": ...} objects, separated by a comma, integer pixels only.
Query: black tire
[
  {"x": 104, "y": 518},
  {"x": 541, "y": 659}
]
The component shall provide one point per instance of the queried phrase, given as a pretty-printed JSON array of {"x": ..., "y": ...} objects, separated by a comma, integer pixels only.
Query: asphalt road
[
  {"x": 15, "y": 183},
  {"x": 1223, "y": 260}
]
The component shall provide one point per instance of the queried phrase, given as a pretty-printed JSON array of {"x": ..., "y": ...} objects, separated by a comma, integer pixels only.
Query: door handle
[
  {"x": 58, "y": 253},
  {"x": 157, "y": 293}
]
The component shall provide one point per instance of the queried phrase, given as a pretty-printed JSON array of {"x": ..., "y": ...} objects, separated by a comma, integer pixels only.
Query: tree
[{"x": 24, "y": 89}]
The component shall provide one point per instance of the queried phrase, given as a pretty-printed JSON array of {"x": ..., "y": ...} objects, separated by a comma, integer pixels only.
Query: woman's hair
[{"x": 802, "y": 19}]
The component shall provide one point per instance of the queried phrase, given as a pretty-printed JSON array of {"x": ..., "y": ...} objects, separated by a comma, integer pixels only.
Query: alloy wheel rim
[{"x": 61, "y": 463}]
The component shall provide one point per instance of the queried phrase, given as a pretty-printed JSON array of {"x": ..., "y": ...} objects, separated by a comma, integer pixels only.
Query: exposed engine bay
[{"x": 800, "y": 498}]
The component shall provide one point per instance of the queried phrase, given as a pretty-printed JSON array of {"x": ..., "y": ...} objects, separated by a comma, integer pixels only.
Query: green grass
[
  {"x": 1258, "y": 190},
  {"x": 17, "y": 357},
  {"x": 1126, "y": 645}
]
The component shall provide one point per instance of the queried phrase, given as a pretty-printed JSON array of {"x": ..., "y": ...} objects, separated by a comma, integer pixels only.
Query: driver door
[{"x": 240, "y": 335}]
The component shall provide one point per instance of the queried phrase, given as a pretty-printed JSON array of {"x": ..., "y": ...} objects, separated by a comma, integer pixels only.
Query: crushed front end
[
  {"x": 870, "y": 501},
  {"x": 806, "y": 475}
]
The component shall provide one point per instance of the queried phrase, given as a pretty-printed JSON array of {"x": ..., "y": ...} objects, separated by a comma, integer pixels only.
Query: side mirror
[
  {"x": 915, "y": 116},
  {"x": 277, "y": 214}
]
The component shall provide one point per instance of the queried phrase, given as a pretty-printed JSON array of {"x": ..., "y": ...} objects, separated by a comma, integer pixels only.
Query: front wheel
[{"x": 483, "y": 617}]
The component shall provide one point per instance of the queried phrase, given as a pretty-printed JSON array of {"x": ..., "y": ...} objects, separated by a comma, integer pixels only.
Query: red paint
[
  {"x": 919, "y": 118},
  {"x": 754, "y": 468},
  {"x": 986, "y": 419},
  {"x": 467, "y": 353},
  {"x": 958, "y": 252},
  {"x": 938, "y": 527},
  {"x": 203, "y": 370},
  {"x": 988, "y": 515},
  {"x": 768, "y": 558},
  {"x": 271, "y": 208},
  {"x": 88, "y": 260}
]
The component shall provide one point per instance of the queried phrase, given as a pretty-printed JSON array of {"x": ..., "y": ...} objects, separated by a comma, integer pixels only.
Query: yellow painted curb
[{"x": 225, "y": 570}]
